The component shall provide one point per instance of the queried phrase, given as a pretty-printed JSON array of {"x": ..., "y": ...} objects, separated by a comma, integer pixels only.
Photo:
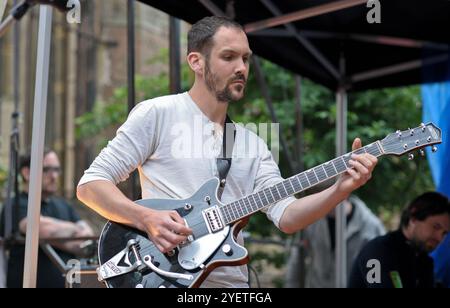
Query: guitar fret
[
  {"x": 240, "y": 211},
  {"x": 247, "y": 206},
  {"x": 324, "y": 170},
  {"x": 314, "y": 171},
  {"x": 265, "y": 198},
  {"x": 240, "y": 208},
  {"x": 279, "y": 194},
  {"x": 334, "y": 167},
  {"x": 273, "y": 198},
  {"x": 320, "y": 175},
  {"x": 256, "y": 204},
  {"x": 260, "y": 201},
  {"x": 298, "y": 180},
  {"x": 265, "y": 195},
  {"x": 293, "y": 188},
  {"x": 233, "y": 211},
  {"x": 378, "y": 149},
  {"x": 345, "y": 163},
  {"x": 304, "y": 180},
  {"x": 309, "y": 175},
  {"x": 274, "y": 191},
  {"x": 330, "y": 170},
  {"x": 227, "y": 213},
  {"x": 286, "y": 189},
  {"x": 340, "y": 163},
  {"x": 281, "y": 184}
]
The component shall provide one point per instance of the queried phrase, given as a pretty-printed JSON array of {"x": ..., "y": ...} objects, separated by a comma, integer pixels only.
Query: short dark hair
[
  {"x": 25, "y": 160},
  {"x": 200, "y": 37},
  {"x": 425, "y": 205}
]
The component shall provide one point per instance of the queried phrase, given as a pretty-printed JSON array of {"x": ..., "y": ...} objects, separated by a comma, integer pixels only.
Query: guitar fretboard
[{"x": 250, "y": 204}]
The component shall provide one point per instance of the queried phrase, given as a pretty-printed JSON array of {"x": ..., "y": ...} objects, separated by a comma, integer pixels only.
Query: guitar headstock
[{"x": 405, "y": 141}]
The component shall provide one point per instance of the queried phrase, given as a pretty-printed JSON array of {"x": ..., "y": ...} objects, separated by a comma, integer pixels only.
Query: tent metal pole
[
  {"x": 398, "y": 68},
  {"x": 265, "y": 93},
  {"x": 212, "y": 8},
  {"x": 302, "y": 14},
  {"x": 341, "y": 149},
  {"x": 131, "y": 60},
  {"x": 367, "y": 38},
  {"x": 315, "y": 52},
  {"x": 37, "y": 146},
  {"x": 174, "y": 50}
]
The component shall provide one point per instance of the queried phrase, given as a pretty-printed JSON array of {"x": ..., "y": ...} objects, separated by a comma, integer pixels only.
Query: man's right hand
[{"x": 165, "y": 228}]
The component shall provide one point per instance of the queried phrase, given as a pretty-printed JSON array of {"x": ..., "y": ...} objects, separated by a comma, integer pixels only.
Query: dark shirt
[
  {"x": 48, "y": 275},
  {"x": 332, "y": 226},
  {"x": 400, "y": 264}
]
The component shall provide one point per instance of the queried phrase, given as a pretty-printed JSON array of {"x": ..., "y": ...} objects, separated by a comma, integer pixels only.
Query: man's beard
[{"x": 224, "y": 95}]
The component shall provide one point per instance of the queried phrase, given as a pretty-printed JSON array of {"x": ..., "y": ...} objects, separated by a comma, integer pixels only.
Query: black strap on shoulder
[{"x": 224, "y": 161}]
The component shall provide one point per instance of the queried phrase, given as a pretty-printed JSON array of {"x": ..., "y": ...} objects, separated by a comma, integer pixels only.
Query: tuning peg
[
  {"x": 411, "y": 132},
  {"x": 422, "y": 152},
  {"x": 399, "y": 133},
  {"x": 422, "y": 126},
  {"x": 410, "y": 156},
  {"x": 434, "y": 149}
]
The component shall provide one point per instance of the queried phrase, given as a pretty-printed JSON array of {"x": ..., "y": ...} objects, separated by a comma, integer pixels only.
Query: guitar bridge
[
  {"x": 213, "y": 219},
  {"x": 112, "y": 268}
]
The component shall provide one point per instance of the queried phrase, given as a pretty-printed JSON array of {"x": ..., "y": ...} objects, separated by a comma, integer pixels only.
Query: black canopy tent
[
  {"x": 330, "y": 42},
  {"x": 333, "y": 43}
]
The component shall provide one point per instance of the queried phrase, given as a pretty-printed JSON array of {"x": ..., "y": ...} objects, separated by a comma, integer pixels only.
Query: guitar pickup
[{"x": 213, "y": 219}]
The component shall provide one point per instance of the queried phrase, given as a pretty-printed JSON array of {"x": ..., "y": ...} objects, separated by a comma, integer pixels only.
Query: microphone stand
[
  {"x": 11, "y": 217},
  {"x": 11, "y": 223}
]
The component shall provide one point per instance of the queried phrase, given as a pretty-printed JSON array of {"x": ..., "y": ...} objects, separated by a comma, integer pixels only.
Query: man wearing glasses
[{"x": 58, "y": 220}]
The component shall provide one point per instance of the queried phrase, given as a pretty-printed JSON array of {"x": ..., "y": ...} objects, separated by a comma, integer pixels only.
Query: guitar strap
[{"x": 224, "y": 161}]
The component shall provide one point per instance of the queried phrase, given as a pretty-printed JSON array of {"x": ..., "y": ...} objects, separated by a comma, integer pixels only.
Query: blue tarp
[
  {"x": 436, "y": 109},
  {"x": 441, "y": 256}
]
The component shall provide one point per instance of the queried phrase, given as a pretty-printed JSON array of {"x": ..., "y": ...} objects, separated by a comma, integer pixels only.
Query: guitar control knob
[
  {"x": 410, "y": 156},
  {"x": 227, "y": 249}
]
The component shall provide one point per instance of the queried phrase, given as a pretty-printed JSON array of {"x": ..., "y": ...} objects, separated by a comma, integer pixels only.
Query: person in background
[
  {"x": 58, "y": 220},
  {"x": 400, "y": 259}
]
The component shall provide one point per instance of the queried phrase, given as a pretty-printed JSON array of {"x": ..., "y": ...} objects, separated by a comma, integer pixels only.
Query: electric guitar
[{"x": 129, "y": 259}]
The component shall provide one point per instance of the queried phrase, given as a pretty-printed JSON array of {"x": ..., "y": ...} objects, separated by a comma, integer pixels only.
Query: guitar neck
[{"x": 251, "y": 204}]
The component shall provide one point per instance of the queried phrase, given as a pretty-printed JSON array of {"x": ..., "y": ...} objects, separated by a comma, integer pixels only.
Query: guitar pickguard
[{"x": 197, "y": 252}]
